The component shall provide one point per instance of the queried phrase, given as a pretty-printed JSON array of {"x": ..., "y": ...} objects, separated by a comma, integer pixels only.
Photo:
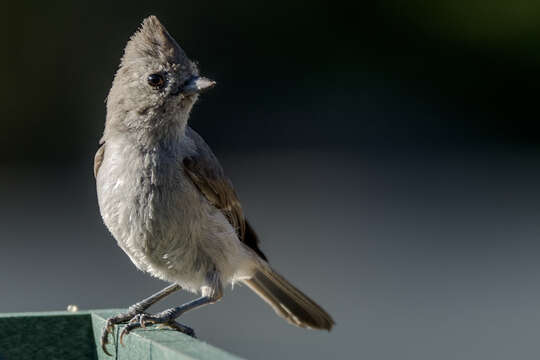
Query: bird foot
[
  {"x": 122, "y": 318},
  {"x": 137, "y": 309},
  {"x": 165, "y": 319}
]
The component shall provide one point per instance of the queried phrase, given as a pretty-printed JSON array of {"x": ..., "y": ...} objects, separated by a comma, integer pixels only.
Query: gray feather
[{"x": 287, "y": 301}]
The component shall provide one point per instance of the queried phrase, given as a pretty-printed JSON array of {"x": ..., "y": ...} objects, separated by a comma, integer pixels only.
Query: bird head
[{"x": 156, "y": 84}]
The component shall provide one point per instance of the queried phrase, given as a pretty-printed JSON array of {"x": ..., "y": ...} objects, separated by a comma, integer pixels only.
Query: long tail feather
[{"x": 287, "y": 301}]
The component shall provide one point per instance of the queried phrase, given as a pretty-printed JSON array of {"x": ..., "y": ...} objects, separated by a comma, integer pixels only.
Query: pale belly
[{"x": 164, "y": 224}]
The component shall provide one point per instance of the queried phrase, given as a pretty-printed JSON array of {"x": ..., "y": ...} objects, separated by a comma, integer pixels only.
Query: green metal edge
[{"x": 150, "y": 343}]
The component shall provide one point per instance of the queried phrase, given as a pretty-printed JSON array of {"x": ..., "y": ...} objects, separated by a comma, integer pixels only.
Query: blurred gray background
[{"x": 386, "y": 153}]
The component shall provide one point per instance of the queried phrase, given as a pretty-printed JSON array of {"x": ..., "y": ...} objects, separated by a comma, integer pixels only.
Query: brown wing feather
[{"x": 206, "y": 173}]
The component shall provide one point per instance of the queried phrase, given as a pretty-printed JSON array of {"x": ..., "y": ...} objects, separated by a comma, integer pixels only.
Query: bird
[{"x": 165, "y": 198}]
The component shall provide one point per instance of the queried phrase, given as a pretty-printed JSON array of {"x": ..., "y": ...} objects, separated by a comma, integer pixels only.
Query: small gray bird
[{"x": 164, "y": 197}]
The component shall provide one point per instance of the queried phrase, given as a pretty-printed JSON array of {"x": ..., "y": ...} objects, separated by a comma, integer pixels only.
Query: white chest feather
[{"x": 161, "y": 221}]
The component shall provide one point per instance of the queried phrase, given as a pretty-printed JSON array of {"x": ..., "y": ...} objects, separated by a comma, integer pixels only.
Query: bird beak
[{"x": 197, "y": 85}]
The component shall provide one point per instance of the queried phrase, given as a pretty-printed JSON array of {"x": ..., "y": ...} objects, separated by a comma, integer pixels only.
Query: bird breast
[{"x": 147, "y": 203}]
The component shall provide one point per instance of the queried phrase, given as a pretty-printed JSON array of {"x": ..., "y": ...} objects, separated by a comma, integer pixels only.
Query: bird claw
[
  {"x": 144, "y": 320},
  {"x": 108, "y": 329},
  {"x": 181, "y": 328},
  {"x": 127, "y": 330},
  {"x": 140, "y": 320}
]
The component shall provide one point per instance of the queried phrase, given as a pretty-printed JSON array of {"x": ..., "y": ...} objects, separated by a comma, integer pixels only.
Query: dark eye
[{"x": 156, "y": 80}]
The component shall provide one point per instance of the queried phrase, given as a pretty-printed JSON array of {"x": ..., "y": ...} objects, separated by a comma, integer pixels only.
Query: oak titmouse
[{"x": 164, "y": 197}]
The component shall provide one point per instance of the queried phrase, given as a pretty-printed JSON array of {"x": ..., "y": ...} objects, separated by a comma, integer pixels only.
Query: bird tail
[{"x": 287, "y": 301}]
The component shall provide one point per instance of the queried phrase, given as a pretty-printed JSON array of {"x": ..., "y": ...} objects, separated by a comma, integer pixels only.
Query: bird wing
[
  {"x": 208, "y": 176},
  {"x": 98, "y": 159}
]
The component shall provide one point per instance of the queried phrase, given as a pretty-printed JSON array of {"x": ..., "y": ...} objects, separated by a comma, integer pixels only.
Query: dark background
[{"x": 386, "y": 152}]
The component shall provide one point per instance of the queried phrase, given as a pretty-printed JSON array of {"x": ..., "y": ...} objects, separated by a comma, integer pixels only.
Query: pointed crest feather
[{"x": 153, "y": 40}]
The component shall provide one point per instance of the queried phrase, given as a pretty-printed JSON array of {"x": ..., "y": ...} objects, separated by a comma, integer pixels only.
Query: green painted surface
[
  {"x": 65, "y": 336},
  {"x": 47, "y": 337}
]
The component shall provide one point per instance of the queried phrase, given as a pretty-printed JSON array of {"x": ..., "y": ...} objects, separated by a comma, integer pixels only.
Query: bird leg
[
  {"x": 133, "y": 311},
  {"x": 211, "y": 293}
]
